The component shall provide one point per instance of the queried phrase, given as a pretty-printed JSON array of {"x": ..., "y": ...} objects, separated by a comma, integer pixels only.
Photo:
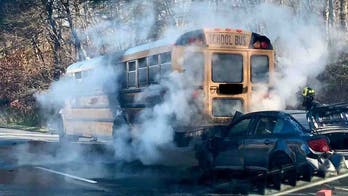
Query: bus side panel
[
  {"x": 88, "y": 128},
  {"x": 103, "y": 114},
  {"x": 101, "y": 101},
  {"x": 90, "y": 115}
]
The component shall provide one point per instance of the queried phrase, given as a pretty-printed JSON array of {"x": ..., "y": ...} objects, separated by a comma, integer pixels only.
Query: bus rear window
[
  {"x": 259, "y": 68},
  {"x": 226, "y": 107},
  {"x": 227, "y": 68}
]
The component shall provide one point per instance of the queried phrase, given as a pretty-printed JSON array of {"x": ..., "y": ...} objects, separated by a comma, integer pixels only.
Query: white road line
[
  {"x": 341, "y": 188},
  {"x": 312, "y": 184},
  {"x": 68, "y": 175}
]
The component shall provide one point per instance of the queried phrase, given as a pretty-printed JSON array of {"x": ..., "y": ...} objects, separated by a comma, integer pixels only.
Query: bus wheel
[
  {"x": 181, "y": 140},
  {"x": 119, "y": 121}
]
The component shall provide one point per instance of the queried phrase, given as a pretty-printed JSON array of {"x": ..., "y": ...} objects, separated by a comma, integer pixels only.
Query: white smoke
[
  {"x": 96, "y": 76},
  {"x": 299, "y": 38},
  {"x": 154, "y": 128},
  {"x": 302, "y": 53},
  {"x": 131, "y": 24},
  {"x": 300, "y": 43},
  {"x": 102, "y": 75}
]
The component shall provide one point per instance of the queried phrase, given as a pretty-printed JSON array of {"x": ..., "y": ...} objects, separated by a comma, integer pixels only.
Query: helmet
[{"x": 307, "y": 91}]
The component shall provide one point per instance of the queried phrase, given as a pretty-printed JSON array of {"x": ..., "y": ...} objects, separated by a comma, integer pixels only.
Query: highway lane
[{"x": 32, "y": 163}]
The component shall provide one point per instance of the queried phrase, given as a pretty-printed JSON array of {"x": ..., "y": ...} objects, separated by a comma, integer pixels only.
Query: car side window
[
  {"x": 241, "y": 128},
  {"x": 266, "y": 126},
  {"x": 293, "y": 127},
  {"x": 286, "y": 126}
]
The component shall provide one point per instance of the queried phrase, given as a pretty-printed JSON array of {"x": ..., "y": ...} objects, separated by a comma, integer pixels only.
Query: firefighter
[{"x": 308, "y": 98}]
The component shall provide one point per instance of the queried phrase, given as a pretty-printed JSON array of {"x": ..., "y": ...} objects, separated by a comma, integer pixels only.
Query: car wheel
[
  {"x": 282, "y": 169},
  {"x": 307, "y": 172}
]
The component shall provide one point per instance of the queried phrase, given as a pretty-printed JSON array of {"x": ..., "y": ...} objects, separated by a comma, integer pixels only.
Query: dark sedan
[{"x": 268, "y": 141}]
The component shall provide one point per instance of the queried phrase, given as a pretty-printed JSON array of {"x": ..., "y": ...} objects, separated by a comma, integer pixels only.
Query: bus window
[
  {"x": 142, "y": 72},
  {"x": 259, "y": 68},
  {"x": 165, "y": 63},
  {"x": 227, "y": 68},
  {"x": 142, "y": 62},
  {"x": 154, "y": 69},
  {"x": 153, "y": 60},
  {"x": 194, "y": 66},
  {"x": 131, "y": 82},
  {"x": 122, "y": 78},
  {"x": 226, "y": 107}
]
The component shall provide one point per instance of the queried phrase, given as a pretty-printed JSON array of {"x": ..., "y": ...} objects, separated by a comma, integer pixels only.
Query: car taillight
[{"x": 319, "y": 145}]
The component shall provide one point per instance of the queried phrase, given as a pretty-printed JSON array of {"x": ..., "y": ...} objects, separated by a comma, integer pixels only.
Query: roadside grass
[
  {"x": 23, "y": 127},
  {"x": 14, "y": 119}
]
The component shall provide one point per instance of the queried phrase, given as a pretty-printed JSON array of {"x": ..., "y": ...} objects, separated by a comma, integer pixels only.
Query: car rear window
[{"x": 302, "y": 119}]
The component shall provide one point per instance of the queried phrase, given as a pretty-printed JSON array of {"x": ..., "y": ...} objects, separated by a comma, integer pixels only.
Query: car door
[
  {"x": 230, "y": 148},
  {"x": 258, "y": 146}
]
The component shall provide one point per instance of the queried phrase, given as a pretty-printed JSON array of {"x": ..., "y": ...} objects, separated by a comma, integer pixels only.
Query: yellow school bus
[{"x": 229, "y": 64}]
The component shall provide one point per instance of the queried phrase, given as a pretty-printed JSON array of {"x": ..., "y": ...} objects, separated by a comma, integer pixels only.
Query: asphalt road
[{"x": 37, "y": 164}]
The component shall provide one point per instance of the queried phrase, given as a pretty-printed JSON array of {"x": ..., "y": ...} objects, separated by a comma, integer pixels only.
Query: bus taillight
[
  {"x": 264, "y": 45},
  {"x": 260, "y": 45},
  {"x": 260, "y": 42}
]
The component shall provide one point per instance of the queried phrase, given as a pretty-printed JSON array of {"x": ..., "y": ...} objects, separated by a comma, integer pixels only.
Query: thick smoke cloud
[
  {"x": 63, "y": 94},
  {"x": 154, "y": 129},
  {"x": 301, "y": 48},
  {"x": 299, "y": 39}
]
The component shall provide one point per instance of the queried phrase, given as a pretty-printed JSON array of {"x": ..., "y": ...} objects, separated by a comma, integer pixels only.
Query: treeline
[{"x": 40, "y": 38}]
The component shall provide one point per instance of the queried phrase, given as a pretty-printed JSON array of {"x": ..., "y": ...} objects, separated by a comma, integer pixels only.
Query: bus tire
[
  {"x": 181, "y": 140},
  {"x": 119, "y": 121}
]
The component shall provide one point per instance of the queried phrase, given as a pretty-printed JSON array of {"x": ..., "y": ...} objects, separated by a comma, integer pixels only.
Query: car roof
[{"x": 275, "y": 112}]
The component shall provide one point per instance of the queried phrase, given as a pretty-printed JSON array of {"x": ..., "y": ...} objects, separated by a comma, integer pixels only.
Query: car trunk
[
  {"x": 332, "y": 121},
  {"x": 338, "y": 138}
]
